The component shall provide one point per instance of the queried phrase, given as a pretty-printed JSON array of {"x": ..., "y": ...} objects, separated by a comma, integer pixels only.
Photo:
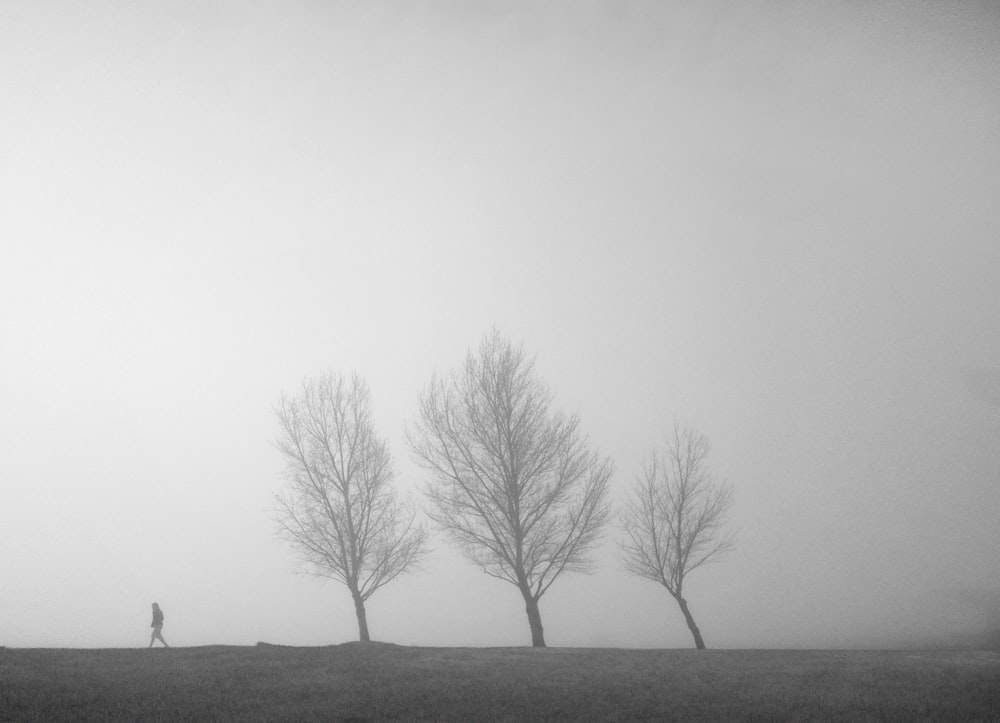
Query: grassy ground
[{"x": 376, "y": 681}]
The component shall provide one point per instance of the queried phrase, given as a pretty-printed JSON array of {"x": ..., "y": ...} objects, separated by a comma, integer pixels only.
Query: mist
[{"x": 776, "y": 223}]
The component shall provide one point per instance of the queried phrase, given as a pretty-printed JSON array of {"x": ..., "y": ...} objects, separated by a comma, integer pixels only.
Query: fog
[{"x": 775, "y": 222}]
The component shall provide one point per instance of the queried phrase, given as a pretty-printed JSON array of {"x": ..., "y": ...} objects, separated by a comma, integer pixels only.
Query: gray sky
[{"x": 776, "y": 222}]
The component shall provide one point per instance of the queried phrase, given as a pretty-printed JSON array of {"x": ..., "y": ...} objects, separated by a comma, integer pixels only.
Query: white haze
[{"x": 775, "y": 221}]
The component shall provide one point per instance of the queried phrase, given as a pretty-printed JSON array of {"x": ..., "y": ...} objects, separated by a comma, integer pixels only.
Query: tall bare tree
[
  {"x": 512, "y": 481},
  {"x": 674, "y": 518},
  {"x": 339, "y": 509}
]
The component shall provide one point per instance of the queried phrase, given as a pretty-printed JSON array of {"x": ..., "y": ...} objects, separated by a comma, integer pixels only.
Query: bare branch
[
  {"x": 674, "y": 518},
  {"x": 512, "y": 482},
  {"x": 339, "y": 510}
]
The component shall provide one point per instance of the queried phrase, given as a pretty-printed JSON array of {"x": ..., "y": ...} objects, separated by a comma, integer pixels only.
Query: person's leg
[{"x": 157, "y": 635}]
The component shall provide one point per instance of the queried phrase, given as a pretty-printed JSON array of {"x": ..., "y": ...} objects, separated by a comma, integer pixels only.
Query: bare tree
[
  {"x": 673, "y": 519},
  {"x": 513, "y": 483},
  {"x": 339, "y": 509}
]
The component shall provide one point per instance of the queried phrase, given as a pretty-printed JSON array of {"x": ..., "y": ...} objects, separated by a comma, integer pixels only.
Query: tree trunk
[
  {"x": 699, "y": 643},
  {"x": 534, "y": 620},
  {"x": 359, "y": 608}
]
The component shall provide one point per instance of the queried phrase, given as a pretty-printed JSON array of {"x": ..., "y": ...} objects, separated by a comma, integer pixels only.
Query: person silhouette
[{"x": 157, "y": 626}]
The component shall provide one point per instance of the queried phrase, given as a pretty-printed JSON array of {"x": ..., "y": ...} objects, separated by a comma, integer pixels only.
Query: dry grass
[{"x": 387, "y": 682}]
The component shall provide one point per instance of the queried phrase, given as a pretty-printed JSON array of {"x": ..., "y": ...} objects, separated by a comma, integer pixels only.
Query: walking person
[{"x": 157, "y": 626}]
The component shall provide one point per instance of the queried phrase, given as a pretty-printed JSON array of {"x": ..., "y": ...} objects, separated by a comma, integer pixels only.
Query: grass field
[{"x": 379, "y": 682}]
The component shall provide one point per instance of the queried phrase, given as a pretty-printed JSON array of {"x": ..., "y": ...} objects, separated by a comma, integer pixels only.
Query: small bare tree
[
  {"x": 513, "y": 483},
  {"x": 673, "y": 519},
  {"x": 339, "y": 509}
]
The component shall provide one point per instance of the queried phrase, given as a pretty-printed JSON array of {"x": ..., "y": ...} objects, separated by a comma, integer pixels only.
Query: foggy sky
[{"x": 775, "y": 222}]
